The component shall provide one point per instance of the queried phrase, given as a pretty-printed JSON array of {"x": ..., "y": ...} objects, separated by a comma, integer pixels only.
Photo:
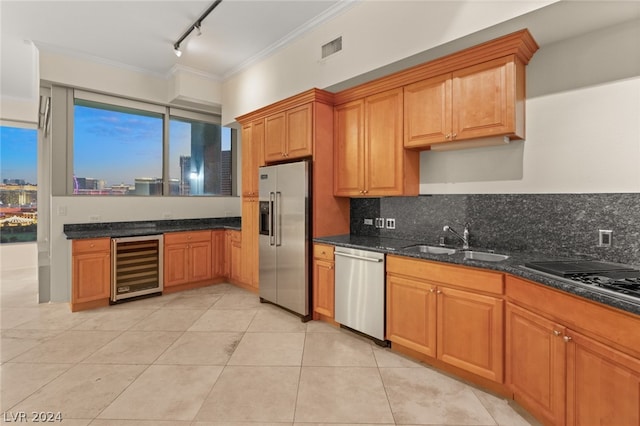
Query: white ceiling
[{"x": 140, "y": 34}]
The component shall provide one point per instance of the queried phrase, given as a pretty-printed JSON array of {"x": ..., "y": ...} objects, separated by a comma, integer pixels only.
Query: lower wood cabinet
[
  {"x": 436, "y": 310},
  {"x": 219, "y": 253},
  {"x": 564, "y": 376},
  {"x": 536, "y": 363},
  {"x": 187, "y": 257},
  {"x": 323, "y": 281},
  {"x": 235, "y": 256},
  {"x": 91, "y": 273}
]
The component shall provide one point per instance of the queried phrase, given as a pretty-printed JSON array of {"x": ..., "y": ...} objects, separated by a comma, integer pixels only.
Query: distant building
[
  {"x": 148, "y": 186},
  {"x": 185, "y": 175}
]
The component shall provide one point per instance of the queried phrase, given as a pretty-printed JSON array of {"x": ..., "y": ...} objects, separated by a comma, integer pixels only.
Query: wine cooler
[{"x": 136, "y": 266}]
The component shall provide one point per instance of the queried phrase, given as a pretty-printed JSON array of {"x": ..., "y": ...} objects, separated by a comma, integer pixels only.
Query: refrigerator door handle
[
  {"x": 272, "y": 239},
  {"x": 278, "y": 219}
]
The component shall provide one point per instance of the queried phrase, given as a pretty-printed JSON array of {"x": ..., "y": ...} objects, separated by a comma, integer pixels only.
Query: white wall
[
  {"x": 116, "y": 79},
  {"x": 375, "y": 33},
  {"x": 582, "y": 126}
]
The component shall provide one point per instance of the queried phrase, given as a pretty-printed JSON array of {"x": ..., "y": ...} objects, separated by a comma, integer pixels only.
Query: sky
[{"x": 18, "y": 154}]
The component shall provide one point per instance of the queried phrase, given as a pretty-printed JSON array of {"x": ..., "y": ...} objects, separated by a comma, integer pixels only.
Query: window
[
  {"x": 120, "y": 148},
  {"x": 18, "y": 184},
  {"x": 116, "y": 150},
  {"x": 199, "y": 158}
]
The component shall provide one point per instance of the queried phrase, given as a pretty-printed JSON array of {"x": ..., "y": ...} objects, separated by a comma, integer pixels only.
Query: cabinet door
[
  {"x": 275, "y": 132},
  {"x": 252, "y": 156},
  {"x": 235, "y": 256},
  {"x": 249, "y": 273},
  {"x": 249, "y": 183},
  {"x": 470, "y": 332},
  {"x": 349, "y": 150},
  {"x": 200, "y": 261},
  {"x": 384, "y": 150},
  {"x": 323, "y": 287},
  {"x": 91, "y": 277},
  {"x": 176, "y": 264},
  {"x": 535, "y": 363},
  {"x": 484, "y": 100},
  {"x": 299, "y": 142},
  {"x": 411, "y": 314},
  {"x": 218, "y": 239},
  {"x": 427, "y": 112},
  {"x": 603, "y": 384}
]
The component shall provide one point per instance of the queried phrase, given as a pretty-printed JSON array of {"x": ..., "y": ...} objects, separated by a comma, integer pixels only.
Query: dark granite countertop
[
  {"x": 513, "y": 265},
  {"x": 151, "y": 227}
]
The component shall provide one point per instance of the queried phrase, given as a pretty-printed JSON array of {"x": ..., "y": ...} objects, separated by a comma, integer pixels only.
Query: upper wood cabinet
[
  {"x": 476, "y": 102},
  {"x": 300, "y": 127},
  {"x": 289, "y": 134},
  {"x": 370, "y": 159},
  {"x": 252, "y": 158}
]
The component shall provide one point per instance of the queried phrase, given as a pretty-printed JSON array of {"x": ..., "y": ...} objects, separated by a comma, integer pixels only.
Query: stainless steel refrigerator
[{"x": 284, "y": 236}]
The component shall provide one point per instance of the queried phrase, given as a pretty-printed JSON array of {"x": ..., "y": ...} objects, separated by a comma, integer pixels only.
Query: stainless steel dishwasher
[{"x": 360, "y": 291}]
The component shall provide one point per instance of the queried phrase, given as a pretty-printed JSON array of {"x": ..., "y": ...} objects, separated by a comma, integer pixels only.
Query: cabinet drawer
[
  {"x": 323, "y": 251},
  {"x": 187, "y": 237},
  {"x": 91, "y": 245},
  {"x": 459, "y": 276}
]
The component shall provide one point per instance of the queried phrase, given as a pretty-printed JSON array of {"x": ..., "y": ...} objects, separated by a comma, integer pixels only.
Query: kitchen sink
[
  {"x": 485, "y": 256},
  {"x": 421, "y": 248}
]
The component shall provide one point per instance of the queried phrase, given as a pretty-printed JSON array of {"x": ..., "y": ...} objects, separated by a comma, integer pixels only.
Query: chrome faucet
[{"x": 464, "y": 237}]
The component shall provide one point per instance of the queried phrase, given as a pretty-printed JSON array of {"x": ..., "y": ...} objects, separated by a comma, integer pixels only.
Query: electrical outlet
[
  {"x": 368, "y": 221},
  {"x": 62, "y": 210},
  {"x": 391, "y": 223},
  {"x": 167, "y": 215},
  {"x": 605, "y": 237},
  {"x": 94, "y": 218},
  {"x": 379, "y": 222}
]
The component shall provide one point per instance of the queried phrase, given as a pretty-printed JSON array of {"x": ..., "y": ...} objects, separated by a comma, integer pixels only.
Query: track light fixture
[{"x": 196, "y": 26}]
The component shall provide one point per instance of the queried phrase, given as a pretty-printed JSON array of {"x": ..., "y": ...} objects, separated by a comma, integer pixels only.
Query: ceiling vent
[{"x": 334, "y": 46}]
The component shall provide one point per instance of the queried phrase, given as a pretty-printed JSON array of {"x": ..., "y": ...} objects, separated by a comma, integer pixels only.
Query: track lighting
[{"x": 195, "y": 26}]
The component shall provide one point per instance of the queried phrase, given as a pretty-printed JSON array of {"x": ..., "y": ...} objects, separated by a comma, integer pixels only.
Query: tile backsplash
[{"x": 555, "y": 224}]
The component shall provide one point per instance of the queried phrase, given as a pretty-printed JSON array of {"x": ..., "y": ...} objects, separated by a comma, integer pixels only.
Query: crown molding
[{"x": 333, "y": 11}]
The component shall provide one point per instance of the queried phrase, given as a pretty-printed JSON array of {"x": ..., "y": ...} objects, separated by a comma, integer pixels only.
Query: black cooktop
[
  {"x": 566, "y": 268},
  {"x": 608, "y": 277}
]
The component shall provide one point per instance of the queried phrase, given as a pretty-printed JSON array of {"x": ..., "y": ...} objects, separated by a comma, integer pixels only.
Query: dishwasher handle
[{"x": 353, "y": 256}]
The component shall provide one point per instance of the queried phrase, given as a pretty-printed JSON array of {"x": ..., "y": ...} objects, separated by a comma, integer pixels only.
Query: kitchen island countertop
[
  {"x": 151, "y": 227},
  {"x": 513, "y": 265}
]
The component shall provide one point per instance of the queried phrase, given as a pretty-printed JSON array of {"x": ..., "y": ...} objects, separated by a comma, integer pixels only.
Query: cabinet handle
[
  {"x": 439, "y": 292},
  {"x": 92, "y": 245},
  {"x": 323, "y": 252},
  {"x": 432, "y": 290},
  {"x": 447, "y": 136},
  {"x": 567, "y": 339},
  {"x": 557, "y": 333},
  {"x": 454, "y": 135},
  {"x": 365, "y": 191}
]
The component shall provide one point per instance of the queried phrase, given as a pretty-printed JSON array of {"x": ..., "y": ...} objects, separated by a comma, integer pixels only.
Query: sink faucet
[{"x": 464, "y": 237}]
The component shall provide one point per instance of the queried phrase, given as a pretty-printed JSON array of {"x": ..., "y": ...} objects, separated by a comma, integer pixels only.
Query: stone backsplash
[{"x": 555, "y": 224}]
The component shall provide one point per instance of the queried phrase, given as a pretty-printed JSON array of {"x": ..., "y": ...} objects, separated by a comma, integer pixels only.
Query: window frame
[{"x": 166, "y": 111}]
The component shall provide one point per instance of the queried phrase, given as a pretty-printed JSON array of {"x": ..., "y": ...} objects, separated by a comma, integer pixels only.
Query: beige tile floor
[{"x": 214, "y": 356}]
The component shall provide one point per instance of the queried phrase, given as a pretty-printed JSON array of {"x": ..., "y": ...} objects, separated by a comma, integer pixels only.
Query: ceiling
[{"x": 140, "y": 34}]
